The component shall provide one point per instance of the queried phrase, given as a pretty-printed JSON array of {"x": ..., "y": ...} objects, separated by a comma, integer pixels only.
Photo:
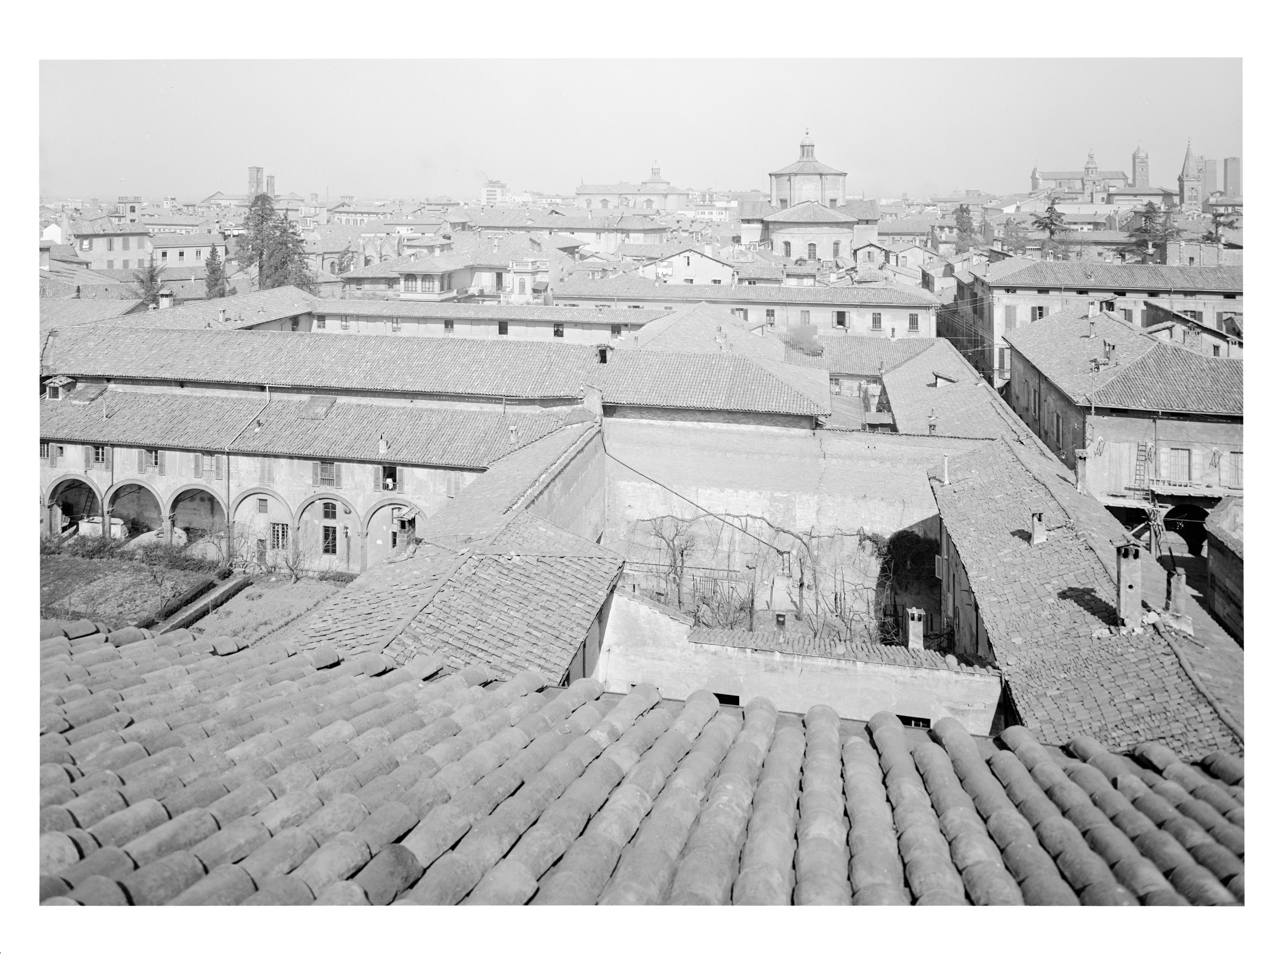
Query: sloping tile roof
[
  {"x": 1169, "y": 378},
  {"x": 966, "y": 408},
  {"x": 1144, "y": 373},
  {"x": 66, "y": 312},
  {"x": 913, "y": 226},
  {"x": 862, "y": 355},
  {"x": 1226, "y": 522},
  {"x": 241, "y": 311},
  {"x": 705, "y": 328},
  {"x": 808, "y": 212},
  {"x": 1049, "y": 612},
  {"x": 807, "y": 167},
  {"x": 456, "y": 310},
  {"x": 182, "y": 771},
  {"x": 1100, "y": 275},
  {"x": 520, "y": 602},
  {"x": 381, "y": 363},
  {"x": 657, "y": 379},
  {"x": 349, "y": 431},
  {"x": 633, "y": 287}
]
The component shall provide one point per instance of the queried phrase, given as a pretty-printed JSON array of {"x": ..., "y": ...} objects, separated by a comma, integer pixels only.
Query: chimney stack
[
  {"x": 946, "y": 475},
  {"x": 1038, "y": 534},
  {"x": 222, "y": 314},
  {"x": 1093, "y": 309},
  {"x": 511, "y": 434},
  {"x": 383, "y": 446},
  {"x": 1128, "y": 583},
  {"x": 915, "y": 629},
  {"x": 1082, "y": 460},
  {"x": 1177, "y": 601}
]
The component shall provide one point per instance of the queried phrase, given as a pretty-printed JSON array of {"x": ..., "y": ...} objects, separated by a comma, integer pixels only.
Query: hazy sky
[{"x": 378, "y": 128}]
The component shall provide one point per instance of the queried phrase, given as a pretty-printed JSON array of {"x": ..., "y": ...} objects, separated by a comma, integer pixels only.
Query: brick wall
[{"x": 800, "y": 479}]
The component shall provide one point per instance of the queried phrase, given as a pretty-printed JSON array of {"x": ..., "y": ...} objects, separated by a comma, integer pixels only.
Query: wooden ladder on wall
[{"x": 1140, "y": 469}]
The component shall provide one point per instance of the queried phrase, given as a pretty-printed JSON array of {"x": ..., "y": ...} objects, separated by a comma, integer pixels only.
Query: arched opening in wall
[
  {"x": 1184, "y": 524},
  {"x": 137, "y": 508},
  {"x": 199, "y": 518},
  {"x": 74, "y": 502},
  {"x": 391, "y": 530},
  {"x": 328, "y": 537}
]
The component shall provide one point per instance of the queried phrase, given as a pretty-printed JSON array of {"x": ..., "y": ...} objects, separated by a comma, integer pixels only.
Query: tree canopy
[
  {"x": 1054, "y": 224},
  {"x": 1154, "y": 231},
  {"x": 215, "y": 275},
  {"x": 147, "y": 283},
  {"x": 1220, "y": 219},
  {"x": 271, "y": 245},
  {"x": 967, "y": 236}
]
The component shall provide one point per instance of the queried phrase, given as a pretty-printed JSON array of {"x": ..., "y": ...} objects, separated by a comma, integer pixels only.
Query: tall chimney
[
  {"x": 1092, "y": 332},
  {"x": 1038, "y": 534},
  {"x": 946, "y": 474},
  {"x": 383, "y": 446},
  {"x": 1082, "y": 462},
  {"x": 1128, "y": 583},
  {"x": 1093, "y": 309},
  {"x": 915, "y": 629},
  {"x": 511, "y": 434}
]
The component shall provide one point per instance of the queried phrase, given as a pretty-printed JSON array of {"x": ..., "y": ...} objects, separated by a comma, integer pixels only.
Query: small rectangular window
[
  {"x": 913, "y": 322},
  {"x": 326, "y": 474},
  {"x": 804, "y": 316},
  {"x": 198, "y": 251},
  {"x": 329, "y": 511},
  {"x": 448, "y": 326},
  {"x": 557, "y": 330},
  {"x": 876, "y": 321},
  {"x": 279, "y": 536},
  {"x": 769, "y": 315},
  {"x": 111, "y": 264},
  {"x": 1037, "y": 312},
  {"x": 502, "y": 328},
  {"x": 330, "y": 545},
  {"x": 153, "y": 459},
  {"x": 838, "y": 320},
  {"x": 262, "y": 505},
  {"x": 181, "y": 255},
  {"x": 1217, "y": 351},
  {"x": 1235, "y": 469},
  {"x": 319, "y": 321},
  {"x": 44, "y": 449},
  {"x": 345, "y": 323},
  {"x": 615, "y": 331},
  {"x": 99, "y": 454},
  {"x": 164, "y": 255}
]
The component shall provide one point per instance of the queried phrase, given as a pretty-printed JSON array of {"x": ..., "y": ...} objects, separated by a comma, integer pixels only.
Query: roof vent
[
  {"x": 383, "y": 446},
  {"x": 511, "y": 434},
  {"x": 222, "y": 314}
]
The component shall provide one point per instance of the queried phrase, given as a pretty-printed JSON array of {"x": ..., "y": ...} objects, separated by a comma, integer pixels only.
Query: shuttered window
[
  {"x": 1010, "y": 317},
  {"x": 1235, "y": 469},
  {"x": 1180, "y": 465}
]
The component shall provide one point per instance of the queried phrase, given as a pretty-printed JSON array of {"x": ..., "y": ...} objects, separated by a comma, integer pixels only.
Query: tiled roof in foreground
[{"x": 187, "y": 772}]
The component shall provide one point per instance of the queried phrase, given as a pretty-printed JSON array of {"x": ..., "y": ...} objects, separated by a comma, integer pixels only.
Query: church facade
[
  {"x": 1091, "y": 182},
  {"x": 655, "y": 194}
]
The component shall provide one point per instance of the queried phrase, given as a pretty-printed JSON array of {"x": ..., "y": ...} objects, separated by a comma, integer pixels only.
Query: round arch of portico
[
  {"x": 368, "y": 518},
  {"x": 126, "y": 482},
  {"x": 260, "y": 492},
  {"x": 52, "y": 488},
  {"x": 302, "y": 508},
  {"x": 173, "y": 498}
]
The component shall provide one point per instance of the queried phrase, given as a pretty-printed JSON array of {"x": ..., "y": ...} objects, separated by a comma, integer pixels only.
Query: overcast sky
[{"x": 386, "y": 128}]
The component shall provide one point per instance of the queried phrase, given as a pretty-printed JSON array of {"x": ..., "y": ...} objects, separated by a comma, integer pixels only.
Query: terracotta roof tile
[{"x": 459, "y": 792}]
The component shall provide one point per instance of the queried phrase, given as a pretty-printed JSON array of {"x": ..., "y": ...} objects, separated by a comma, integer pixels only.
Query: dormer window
[{"x": 59, "y": 387}]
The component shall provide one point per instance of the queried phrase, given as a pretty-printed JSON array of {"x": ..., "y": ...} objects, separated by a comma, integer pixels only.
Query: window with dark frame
[
  {"x": 330, "y": 544},
  {"x": 99, "y": 454},
  {"x": 913, "y": 322},
  {"x": 262, "y": 505},
  {"x": 557, "y": 330},
  {"x": 279, "y": 536},
  {"x": 876, "y": 321},
  {"x": 329, "y": 511},
  {"x": 502, "y": 328},
  {"x": 327, "y": 474}
]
